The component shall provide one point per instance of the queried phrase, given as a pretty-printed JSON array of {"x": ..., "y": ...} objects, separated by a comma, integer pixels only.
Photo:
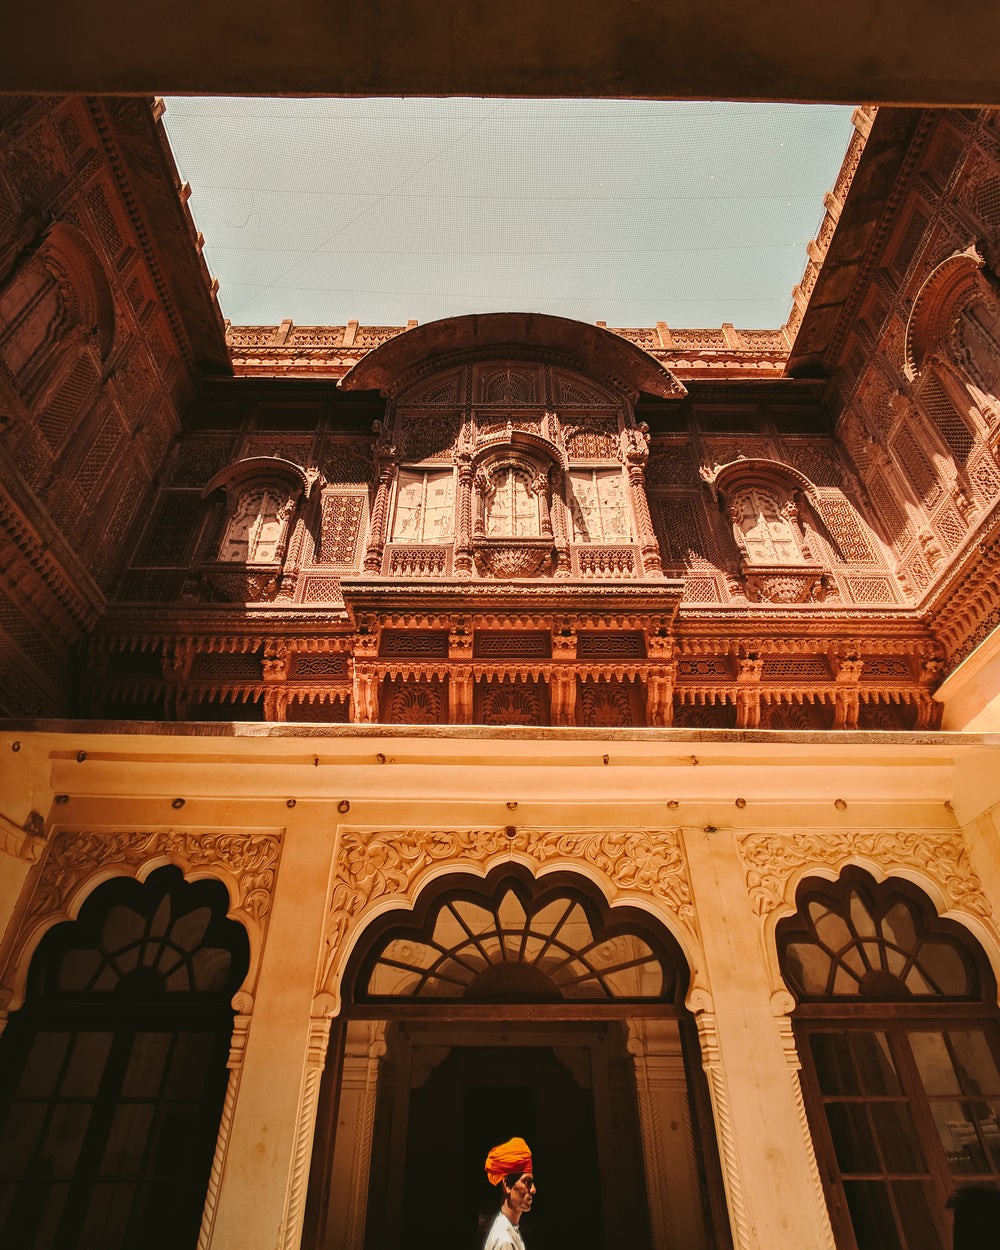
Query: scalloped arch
[
  {"x": 82, "y": 281},
  {"x": 946, "y": 287}
]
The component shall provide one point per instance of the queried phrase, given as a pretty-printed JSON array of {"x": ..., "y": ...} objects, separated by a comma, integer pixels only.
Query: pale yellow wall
[
  {"x": 657, "y": 826},
  {"x": 971, "y": 694}
]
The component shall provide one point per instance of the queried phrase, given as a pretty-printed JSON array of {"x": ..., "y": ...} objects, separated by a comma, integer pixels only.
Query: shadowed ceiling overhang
[{"x": 589, "y": 349}]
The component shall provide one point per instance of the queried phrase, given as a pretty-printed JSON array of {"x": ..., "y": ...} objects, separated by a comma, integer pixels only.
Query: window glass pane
[
  {"x": 810, "y": 965},
  {"x": 831, "y": 929},
  {"x": 852, "y": 1137},
  {"x": 210, "y": 967},
  {"x": 64, "y": 1138},
  {"x": 41, "y": 1215},
  {"x": 20, "y": 1134},
  {"x": 190, "y": 929},
  {"x": 834, "y": 1065},
  {"x": 127, "y": 1137},
  {"x": 106, "y": 1218},
  {"x": 943, "y": 965},
  {"x": 937, "y": 1073},
  {"x": 86, "y": 1065},
  {"x": 976, "y": 1065},
  {"x": 409, "y": 507},
  {"x": 874, "y": 1063},
  {"x": 388, "y": 980},
  {"x": 122, "y": 927},
  {"x": 77, "y": 968},
  {"x": 845, "y": 982},
  {"x": 871, "y": 1216},
  {"x": 41, "y": 1070},
  {"x": 957, "y": 1133},
  {"x": 439, "y": 510},
  {"x": 859, "y": 915},
  {"x": 988, "y": 1116},
  {"x": 189, "y": 1065},
  {"x": 897, "y": 1137},
  {"x": 145, "y": 1065},
  {"x": 897, "y": 926},
  {"x": 916, "y": 1204}
]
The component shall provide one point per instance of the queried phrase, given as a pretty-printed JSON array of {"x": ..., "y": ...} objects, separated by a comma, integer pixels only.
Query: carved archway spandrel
[
  {"x": 774, "y": 862},
  {"x": 381, "y": 865}
]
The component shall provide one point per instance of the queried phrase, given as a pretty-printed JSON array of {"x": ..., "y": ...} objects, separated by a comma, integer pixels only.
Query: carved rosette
[
  {"x": 771, "y": 861},
  {"x": 246, "y": 862},
  {"x": 376, "y": 865}
]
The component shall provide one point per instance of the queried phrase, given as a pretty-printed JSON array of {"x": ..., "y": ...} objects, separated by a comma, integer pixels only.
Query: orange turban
[{"x": 512, "y": 1157}]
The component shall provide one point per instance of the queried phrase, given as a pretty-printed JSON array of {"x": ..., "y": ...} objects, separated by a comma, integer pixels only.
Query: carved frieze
[
  {"x": 380, "y": 864},
  {"x": 771, "y": 860},
  {"x": 249, "y": 859}
]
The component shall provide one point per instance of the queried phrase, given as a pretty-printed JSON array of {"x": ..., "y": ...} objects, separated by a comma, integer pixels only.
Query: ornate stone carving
[
  {"x": 374, "y": 865},
  {"x": 781, "y": 583},
  {"x": 250, "y": 858},
  {"x": 512, "y": 558},
  {"x": 770, "y": 860}
]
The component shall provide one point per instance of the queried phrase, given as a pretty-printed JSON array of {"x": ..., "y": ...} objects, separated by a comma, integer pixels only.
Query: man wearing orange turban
[{"x": 509, "y": 1166}]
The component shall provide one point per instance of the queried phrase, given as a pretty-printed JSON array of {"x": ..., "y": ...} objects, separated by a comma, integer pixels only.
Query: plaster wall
[{"x": 707, "y": 832}]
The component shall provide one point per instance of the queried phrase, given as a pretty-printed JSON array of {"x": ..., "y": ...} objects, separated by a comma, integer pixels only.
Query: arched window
[
  {"x": 763, "y": 520},
  {"x": 897, "y": 1030},
  {"x": 113, "y": 1074},
  {"x": 257, "y": 526},
  {"x": 511, "y": 504}
]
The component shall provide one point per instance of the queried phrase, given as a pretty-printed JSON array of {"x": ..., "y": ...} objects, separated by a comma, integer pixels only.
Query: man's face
[{"x": 520, "y": 1194}]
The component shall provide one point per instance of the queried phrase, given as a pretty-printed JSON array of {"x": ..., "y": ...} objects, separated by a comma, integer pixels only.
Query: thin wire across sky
[{"x": 623, "y": 211}]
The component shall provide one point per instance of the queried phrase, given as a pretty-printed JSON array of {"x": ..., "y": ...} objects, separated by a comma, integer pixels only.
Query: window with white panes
[{"x": 425, "y": 506}]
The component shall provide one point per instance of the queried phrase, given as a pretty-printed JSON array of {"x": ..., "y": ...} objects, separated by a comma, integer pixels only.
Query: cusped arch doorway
[{"x": 512, "y": 1006}]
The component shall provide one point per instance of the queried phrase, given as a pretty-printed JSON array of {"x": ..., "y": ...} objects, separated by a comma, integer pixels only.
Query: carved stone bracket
[
  {"x": 772, "y": 860},
  {"x": 377, "y": 865}
]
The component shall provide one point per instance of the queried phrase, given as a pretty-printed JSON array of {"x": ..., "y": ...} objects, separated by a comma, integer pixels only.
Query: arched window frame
[
  {"x": 272, "y": 478},
  {"x": 889, "y": 1085}
]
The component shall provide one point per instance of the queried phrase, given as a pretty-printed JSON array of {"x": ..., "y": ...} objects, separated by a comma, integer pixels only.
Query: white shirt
[{"x": 503, "y": 1235}]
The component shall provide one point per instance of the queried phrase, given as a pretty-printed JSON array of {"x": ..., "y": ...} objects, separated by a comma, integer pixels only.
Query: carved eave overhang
[
  {"x": 587, "y": 349},
  {"x": 147, "y": 177},
  {"x": 438, "y": 603},
  {"x": 866, "y": 214}
]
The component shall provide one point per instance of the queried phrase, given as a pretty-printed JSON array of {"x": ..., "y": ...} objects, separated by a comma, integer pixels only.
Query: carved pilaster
[
  {"x": 460, "y": 688},
  {"x": 364, "y": 693},
  {"x": 711, "y": 1060},
  {"x": 562, "y": 696},
  {"x": 660, "y": 696},
  {"x": 377, "y": 532},
  {"x": 463, "y": 520},
  {"x": 305, "y": 1122},
  {"x": 237, "y": 1046},
  {"x": 649, "y": 548},
  {"x": 560, "y": 522},
  {"x": 751, "y": 666}
]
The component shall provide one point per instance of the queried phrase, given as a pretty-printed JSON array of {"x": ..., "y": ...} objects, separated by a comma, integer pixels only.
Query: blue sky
[{"x": 623, "y": 211}]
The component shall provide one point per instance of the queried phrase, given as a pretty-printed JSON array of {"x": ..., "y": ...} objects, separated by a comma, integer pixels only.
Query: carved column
[
  {"x": 237, "y": 1046},
  {"x": 290, "y": 1232},
  {"x": 562, "y": 696},
  {"x": 463, "y": 519},
  {"x": 377, "y": 532},
  {"x": 364, "y": 695},
  {"x": 560, "y": 522},
  {"x": 648, "y": 546},
  {"x": 277, "y": 656},
  {"x": 848, "y": 701},
  {"x": 660, "y": 697}
]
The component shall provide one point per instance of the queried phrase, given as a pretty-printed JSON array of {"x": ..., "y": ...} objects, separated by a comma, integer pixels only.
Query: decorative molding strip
[
  {"x": 373, "y": 865},
  {"x": 290, "y": 1233},
  {"x": 241, "y": 1025},
  {"x": 771, "y": 860}
]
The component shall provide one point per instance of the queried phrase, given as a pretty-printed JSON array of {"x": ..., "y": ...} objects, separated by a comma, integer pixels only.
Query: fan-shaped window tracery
[{"x": 477, "y": 950}]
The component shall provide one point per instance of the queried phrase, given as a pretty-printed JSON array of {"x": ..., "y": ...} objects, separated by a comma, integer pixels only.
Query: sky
[{"x": 623, "y": 211}]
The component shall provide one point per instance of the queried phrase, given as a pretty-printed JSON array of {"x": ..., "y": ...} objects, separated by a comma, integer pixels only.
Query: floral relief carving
[
  {"x": 374, "y": 865},
  {"x": 251, "y": 858},
  {"x": 770, "y": 861}
]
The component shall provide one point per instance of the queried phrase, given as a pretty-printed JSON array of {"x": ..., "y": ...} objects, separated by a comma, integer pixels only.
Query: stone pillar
[
  {"x": 560, "y": 523},
  {"x": 773, "y": 1189},
  {"x": 562, "y": 696},
  {"x": 460, "y": 688},
  {"x": 748, "y": 691},
  {"x": 364, "y": 694}
]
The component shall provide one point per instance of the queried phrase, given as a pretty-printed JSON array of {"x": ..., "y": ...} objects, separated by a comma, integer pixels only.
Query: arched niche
[{"x": 898, "y": 1033}]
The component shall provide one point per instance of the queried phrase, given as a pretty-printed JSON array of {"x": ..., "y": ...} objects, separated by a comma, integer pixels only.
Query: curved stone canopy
[{"x": 593, "y": 351}]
